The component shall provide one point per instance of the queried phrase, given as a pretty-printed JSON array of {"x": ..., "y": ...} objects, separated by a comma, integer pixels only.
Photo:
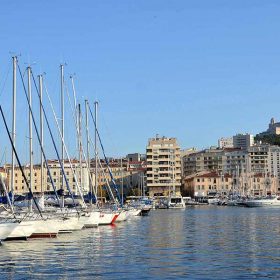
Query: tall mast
[
  {"x": 96, "y": 150},
  {"x": 62, "y": 117},
  {"x": 80, "y": 145},
  {"x": 122, "y": 179},
  {"x": 14, "y": 124},
  {"x": 75, "y": 108},
  {"x": 88, "y": 152},
  {"x": 30, "y": 128},
  {"x": 41, "y": 129}
]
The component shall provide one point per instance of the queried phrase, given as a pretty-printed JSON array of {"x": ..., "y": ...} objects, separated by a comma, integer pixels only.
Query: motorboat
[
  {"x": 263, "y": 201},
  {"x": 176, "y": 202}
]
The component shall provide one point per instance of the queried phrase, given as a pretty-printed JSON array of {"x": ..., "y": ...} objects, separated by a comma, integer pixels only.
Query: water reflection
[{"x": 196, "y": 243}]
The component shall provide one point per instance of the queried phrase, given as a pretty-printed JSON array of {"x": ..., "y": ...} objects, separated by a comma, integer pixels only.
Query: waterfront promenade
[{"x": 202, "y": 242}]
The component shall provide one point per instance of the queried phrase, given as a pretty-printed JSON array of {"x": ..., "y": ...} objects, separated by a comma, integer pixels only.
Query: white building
[
  {"x": 163, "y": 167},
  {"x": 243, "y": 141},
  {"x": 225, "y": 142}
]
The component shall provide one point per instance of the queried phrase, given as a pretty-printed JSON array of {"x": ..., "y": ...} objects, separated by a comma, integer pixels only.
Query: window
[{"x": 198, "y": 180}]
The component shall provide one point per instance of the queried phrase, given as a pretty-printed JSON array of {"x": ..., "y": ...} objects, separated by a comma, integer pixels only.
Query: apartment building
[
  {"x": 20, "y": 186},
  {"x": 80, "y": 171},
  {"x": 203, "y": 183},
  {"x": 205, "y": 160},
  {"x": 243, "y": 141},
  {"x": 163, "y": 166},
  {"x": 235, "y": 161},
  {"x": 225, "y": 142}
]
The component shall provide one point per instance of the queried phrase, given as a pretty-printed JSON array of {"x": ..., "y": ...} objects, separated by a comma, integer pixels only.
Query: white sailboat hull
[
  {"x": 90, "y": 219},
  {"x": 45, "y": 228},
  {"x": 107, "y": 218},
  {"x": 23, "y": 230},
  {"x": 6, "y": 229},
  {"x": 134, "y": 212},
  {"x": 123, "y": 216}
]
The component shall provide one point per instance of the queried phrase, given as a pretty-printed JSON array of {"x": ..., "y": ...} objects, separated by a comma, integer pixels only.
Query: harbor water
[{"x": 204, "y": 242}]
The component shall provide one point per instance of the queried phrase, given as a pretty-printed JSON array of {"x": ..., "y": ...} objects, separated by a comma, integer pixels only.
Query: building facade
[
  {"x": 225, "y": 142},
  {"x": 163, "y": 167},
  {"x": 205, "y": 183},
  {"x": 273, "y": 128},
  {"x": 205, "y": 160},
  {"x": 243, "y": 141}
]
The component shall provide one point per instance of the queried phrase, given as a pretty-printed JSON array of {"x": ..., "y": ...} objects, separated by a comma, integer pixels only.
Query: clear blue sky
[{"x": 192, "y": 69}]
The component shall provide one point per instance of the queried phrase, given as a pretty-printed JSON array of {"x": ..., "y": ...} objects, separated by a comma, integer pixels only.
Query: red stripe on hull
[{"x": 114, "y": 219}]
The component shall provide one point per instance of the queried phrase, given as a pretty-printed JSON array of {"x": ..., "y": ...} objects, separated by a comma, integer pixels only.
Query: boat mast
[
  {"x": 88, "y": 152},
  {"x": 40, "y": 77},
  {"x": 80, "y": 146},
  {"x": 122, "y": 179},
  {"x": 14, "y": 125},
  {"x": 30, "y": 129},
  {"x": 96, "y": 150},
  {"x": 62, "y": 118}
]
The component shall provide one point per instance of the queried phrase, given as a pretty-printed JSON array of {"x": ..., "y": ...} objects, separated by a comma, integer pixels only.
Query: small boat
[
  {"x": 176, "y": 202},
  {"x": 145, "y": 210},
  {"x": 134, "y": 212},
  {"x": 263, "y": 202}
]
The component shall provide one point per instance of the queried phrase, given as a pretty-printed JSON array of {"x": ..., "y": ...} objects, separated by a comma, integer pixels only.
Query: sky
[{"x": 196, "y": 70}]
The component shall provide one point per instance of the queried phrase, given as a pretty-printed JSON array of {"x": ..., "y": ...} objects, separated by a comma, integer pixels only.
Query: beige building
[
  {"x": 163, "y": 167},
  {"x": 204, "y": 183},
  {"x": 3, "y": 174},
  {"x": 205, "y": 160},
  {"x": 20, "y": 186}
]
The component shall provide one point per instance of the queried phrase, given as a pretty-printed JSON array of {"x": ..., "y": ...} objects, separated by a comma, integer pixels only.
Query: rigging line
[
  {"x": 105, "y": 157},
  {"x": 109, "y": 135},
  {"x": 65, "y": 147},
  {"x": 19, "y": 163},
  {"x": 107, "y": 182},
  {"x": 37, "y": 132},
  {"x": 82, "y": 149},
  {"x": 108, "y": 187},
  {"x": 55, "y": 147},
  {"x": 5, "y": 80},
  {"x": 2, "y": 158}
]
